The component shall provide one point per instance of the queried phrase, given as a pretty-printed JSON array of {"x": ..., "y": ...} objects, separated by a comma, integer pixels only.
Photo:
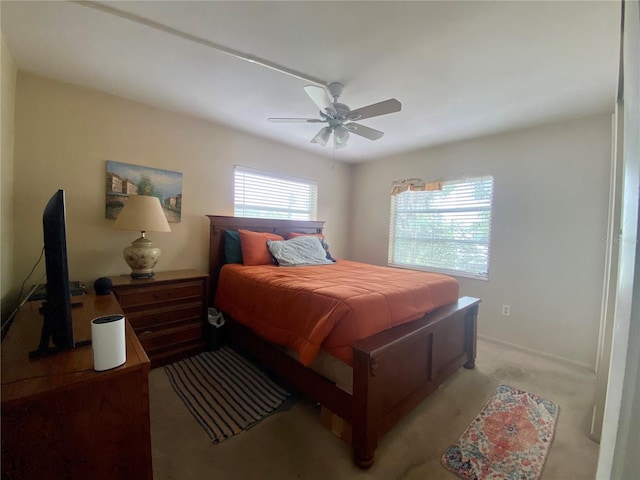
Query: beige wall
[
  {"x": 7, "y": 102},
  {"x": 549, "y": 221},
  {"x": 65, "y": 135}
]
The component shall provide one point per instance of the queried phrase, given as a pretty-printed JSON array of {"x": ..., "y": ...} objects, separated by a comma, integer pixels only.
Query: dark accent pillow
[{"x": 232, "y": 247}]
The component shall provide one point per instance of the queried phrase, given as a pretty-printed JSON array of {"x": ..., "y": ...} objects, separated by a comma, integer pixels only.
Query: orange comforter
[{"x": 328, "y": 306}]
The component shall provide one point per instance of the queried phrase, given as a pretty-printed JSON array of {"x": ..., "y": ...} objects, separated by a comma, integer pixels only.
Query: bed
[{"x": 392, "y": 371}]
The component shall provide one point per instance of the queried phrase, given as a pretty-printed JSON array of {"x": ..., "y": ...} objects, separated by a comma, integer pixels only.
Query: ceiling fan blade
[
  {"x": 320, "y": 97},
  {"x": 295, "y": 120},
  {"x": 366, "y": 132},
  {"x": 381, "y": 108}
]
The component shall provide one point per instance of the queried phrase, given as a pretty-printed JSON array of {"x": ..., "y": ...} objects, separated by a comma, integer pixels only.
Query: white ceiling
[{"x": 460, "y": 69}]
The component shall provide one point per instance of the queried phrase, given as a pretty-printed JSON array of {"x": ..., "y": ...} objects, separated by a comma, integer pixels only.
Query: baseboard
[{"x": 591, "y": 368}]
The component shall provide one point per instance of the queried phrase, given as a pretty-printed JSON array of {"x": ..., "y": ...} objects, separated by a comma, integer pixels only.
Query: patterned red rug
[{"x": 509, "y": 439}]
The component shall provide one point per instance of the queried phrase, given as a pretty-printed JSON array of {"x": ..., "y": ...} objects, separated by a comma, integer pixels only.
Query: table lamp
[{"x": 143, "y": 213}]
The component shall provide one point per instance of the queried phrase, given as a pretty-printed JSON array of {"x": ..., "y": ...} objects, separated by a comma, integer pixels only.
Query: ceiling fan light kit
[
  {"x": 322, "y": 137},
  {"x": 339, "y": 117}
]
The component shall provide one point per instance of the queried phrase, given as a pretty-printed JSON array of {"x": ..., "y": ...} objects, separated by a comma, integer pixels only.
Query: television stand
[
  {"x": 61, "y": 418},
  {"x": 74, "y": 304},
  {"x": 45, "y": 349},
  {"x": 45, "y": 352}
]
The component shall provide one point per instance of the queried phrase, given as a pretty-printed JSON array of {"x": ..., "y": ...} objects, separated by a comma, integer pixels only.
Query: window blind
[
  {"x": 446, "y": 230},
  {"x": 267, "y": 195}
]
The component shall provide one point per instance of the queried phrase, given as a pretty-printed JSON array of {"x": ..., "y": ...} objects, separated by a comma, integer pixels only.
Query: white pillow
[{"x": 299, "y": 251}]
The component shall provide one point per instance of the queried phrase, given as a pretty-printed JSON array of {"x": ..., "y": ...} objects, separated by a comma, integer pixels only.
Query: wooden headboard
[{"x": 219, "y": 223}]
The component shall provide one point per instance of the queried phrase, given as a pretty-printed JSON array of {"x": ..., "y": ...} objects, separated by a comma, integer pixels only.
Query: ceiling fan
[{"x": 340, "y": 118}]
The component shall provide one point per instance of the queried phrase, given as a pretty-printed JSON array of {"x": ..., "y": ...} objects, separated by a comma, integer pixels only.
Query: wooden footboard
[
  {"x": 393, "y": 371},
  {"x": 396, "y": 369}
]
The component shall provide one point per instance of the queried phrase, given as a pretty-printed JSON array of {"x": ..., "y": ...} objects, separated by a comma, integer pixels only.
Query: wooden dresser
[
  {"x": 168, "y": 312},
  {"x": 62, "y": 419}
]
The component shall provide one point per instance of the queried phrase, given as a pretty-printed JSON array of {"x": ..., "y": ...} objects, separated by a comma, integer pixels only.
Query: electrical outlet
[{"x": 506, "y": 310}]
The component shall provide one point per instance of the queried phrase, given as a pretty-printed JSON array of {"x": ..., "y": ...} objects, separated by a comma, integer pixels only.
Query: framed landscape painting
[{"x": 124, "y": 180}]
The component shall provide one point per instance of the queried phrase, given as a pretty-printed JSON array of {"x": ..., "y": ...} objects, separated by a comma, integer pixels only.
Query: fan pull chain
[{"x": 333, "y": 154}]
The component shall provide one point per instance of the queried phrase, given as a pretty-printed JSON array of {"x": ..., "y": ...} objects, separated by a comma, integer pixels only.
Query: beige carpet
[{"x": 293, "y": 444}]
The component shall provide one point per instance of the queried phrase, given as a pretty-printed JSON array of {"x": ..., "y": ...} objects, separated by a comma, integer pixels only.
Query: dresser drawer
[
  {"x": 167, "y": 312},
  {"x": 170, "y": 337},
  {"x": 131, "y": 298},
  {"x": 164, "y": 317}
]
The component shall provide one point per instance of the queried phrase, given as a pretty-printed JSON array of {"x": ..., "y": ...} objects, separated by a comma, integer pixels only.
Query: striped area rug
[{"x": 224, "y": 391}]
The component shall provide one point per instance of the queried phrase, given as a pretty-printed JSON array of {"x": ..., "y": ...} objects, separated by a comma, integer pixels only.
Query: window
[
  {"x": 269, "y": 195},
  {"x": 444, "y": 230}
]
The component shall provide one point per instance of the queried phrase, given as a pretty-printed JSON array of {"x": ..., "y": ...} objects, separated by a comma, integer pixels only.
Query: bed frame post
[
  {"x": 471, "y": 335},
  {"x": 216, "y": 257},
  {"x": 366, "y": 409}
]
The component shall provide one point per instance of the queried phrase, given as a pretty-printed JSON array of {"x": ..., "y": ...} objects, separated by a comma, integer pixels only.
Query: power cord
[{"x": 6, "y": 325}]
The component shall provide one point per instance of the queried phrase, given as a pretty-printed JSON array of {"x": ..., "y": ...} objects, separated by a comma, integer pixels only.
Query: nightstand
[{"x": 168, "y": 312}]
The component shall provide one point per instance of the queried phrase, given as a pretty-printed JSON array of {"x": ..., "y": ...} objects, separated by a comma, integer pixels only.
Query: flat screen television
[{"x": 57, "y": 326}]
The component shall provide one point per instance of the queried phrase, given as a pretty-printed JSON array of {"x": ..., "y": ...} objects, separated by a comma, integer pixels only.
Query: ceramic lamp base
[{"x": 142, "y": 256}]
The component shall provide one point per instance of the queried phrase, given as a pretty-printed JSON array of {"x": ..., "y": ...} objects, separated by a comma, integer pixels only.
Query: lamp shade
[
  {"x": 341, "y": 136},
  {"x": 142, "y": 213},
  {"x": 322, "y": 137}
]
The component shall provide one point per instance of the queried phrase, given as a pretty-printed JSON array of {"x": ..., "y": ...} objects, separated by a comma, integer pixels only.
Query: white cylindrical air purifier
[{"x": 108, "y": 341}]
